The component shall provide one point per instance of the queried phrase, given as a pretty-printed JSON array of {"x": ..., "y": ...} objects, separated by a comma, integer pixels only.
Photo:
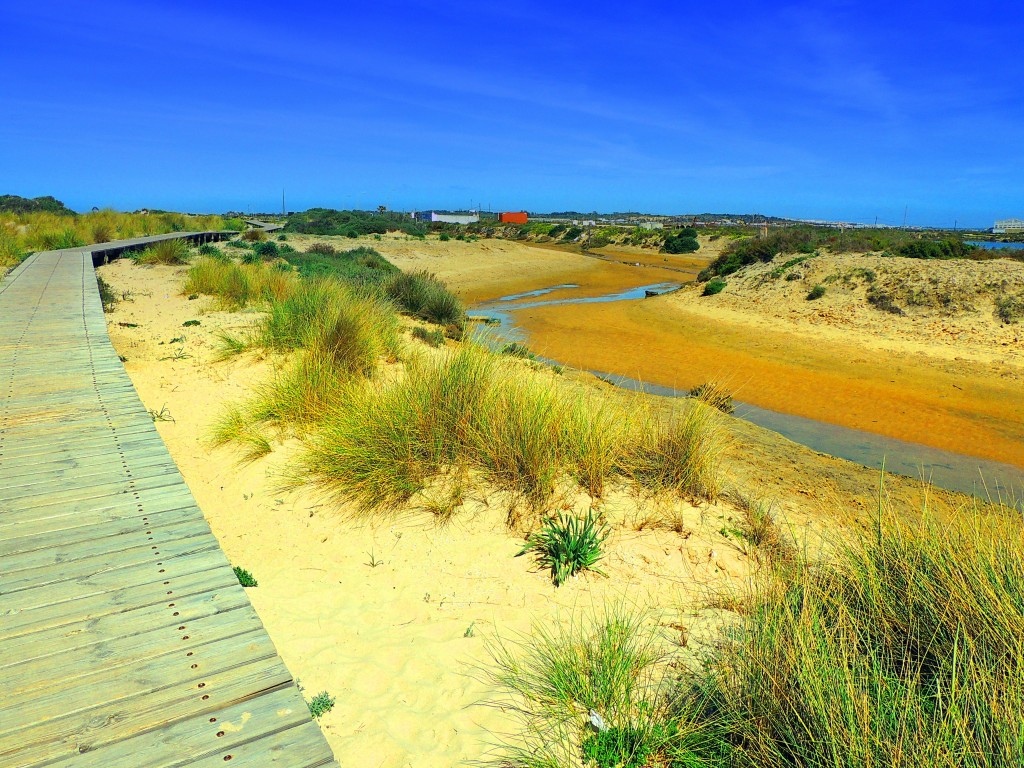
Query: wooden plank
[
  {"x": 124, "y": 635},
  {"x": 146, "y": 538},
  {"x": 46, "y": 643},
  {"x": 49, "y": 607},
  {"x": 197, "y": 540},
  {"x": 104, "y": 686},
  {"x": 82, "y": 733},
  {"x": 141, "y": 642}
]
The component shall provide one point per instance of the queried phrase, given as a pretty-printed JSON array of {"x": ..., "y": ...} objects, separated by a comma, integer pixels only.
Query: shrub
[
  {"x": 254, "y": 235},
  {"x": 320, "y": 705},
  {"x": 681, "y": 241},
  {"x": 325, "y": 249},
  {"x": 714, "y": 394},
  {"x": 713, "y": 286},
  {"x": 245, "y": 578},
  {"x": 816, "y": 292},
  {"x": 443, "y": 237},
  {"x": 167, "y": 252},
  {"x": 515, "y": 349},
  {"x": 209, "y": 249},
  {"x": 424, "y": 296},
  {"x": 1010, "y": 308},
  {"x": 107, "y": 296},
  {"x": 267, "y": 249},
  {"x": 567, "y": 545},
  {"x": 433, "y": 338}
]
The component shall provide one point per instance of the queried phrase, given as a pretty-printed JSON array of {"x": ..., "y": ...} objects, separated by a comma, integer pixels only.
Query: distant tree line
[
  {"x": 46, "y": 204},
  {"x": 327, "y": 221}
]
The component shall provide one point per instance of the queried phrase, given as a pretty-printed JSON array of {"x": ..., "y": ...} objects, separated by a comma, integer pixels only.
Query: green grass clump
[
  {"x": 713, "y": 286},
  {"x": 164, "y": 252},
  {"x": 434, "y": 338},
  {"x": 816, "y": 292},
  {"x": 108, "y": 297},
  {"x": 378, "y": 444},
  {"x": 209, "y": 249},
  {"x": 680, "y": 454},
  {"x": 515, "y": 349},
  {"x": 1010, "y": 308},
  {"x": 237, "y": 285},
  {"x": 424, "y": 296},
  {"x": 320, "y": 705},
  {"x": 362, "y": 264},
  {"x": 902, "y": 648},
  {"x": 567, "y": 545},
  {"x": 254, "y": 235},
  {"x": 245, "y": 578},
  {"x": 612, "y": 670},
  {"x": 715, "y": 395}
]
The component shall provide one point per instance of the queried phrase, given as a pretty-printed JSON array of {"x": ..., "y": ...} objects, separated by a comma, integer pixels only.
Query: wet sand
[{"x": 961, "y": 407}]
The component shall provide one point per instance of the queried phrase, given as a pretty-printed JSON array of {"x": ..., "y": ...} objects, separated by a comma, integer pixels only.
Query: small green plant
[
  {"x": 434, "y": 338},
  {"x": 715, "y": 395},
  {"x": 245, "y": 578},
  {"x": 190, "y": 324},
  {"x": 515, "y": 349},
  {"x": 193, "y": 296},
  {"x": 162, "y": 415},
  {"x": 568, "y": 545},
  {"x": 1010, "y": 309},
  {"x": 626, "y": 747},
  {"x": 320, "y": 705},
  {"x": 444, "y": 237},
  {"x": 713, "y": 286},
  {"x": 816, "y": 292},
  {"x": 107, "y": 296},
  {"x": 128, "y": 325},
  {"x": 373, "y": 562},
  {"x": 469, "y": 630},
  {"x": 209, "y": 249}
]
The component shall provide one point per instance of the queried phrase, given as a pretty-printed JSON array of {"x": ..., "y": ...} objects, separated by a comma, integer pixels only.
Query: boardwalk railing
[{"x": 125, "y": 638}]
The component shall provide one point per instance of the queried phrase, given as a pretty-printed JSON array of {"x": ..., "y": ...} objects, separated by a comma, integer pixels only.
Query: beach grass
[
  {"x": 904, "y": 647},
  {"x": 167, "y": 252}
]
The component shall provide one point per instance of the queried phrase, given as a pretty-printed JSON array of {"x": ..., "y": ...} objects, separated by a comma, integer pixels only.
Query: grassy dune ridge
[
  {"x": 376, "y": 440},
  {"x": 23, "y": 233}
]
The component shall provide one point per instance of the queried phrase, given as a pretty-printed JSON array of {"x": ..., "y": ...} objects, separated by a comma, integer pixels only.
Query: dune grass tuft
[
  {"x": 163, "y": 252},
  {"x": 424, "y": 296},
  {"x": 906, "y": 648}
]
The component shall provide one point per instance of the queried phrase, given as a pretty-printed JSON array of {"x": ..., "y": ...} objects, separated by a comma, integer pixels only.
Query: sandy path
[{"x": 377, "y": 614}]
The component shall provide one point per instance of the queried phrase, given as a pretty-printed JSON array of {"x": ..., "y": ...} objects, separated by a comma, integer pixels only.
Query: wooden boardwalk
[{"x": 125, "y": 639}]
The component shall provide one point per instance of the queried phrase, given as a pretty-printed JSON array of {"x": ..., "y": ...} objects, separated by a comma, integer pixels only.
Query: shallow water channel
[{"x": 987, "y": 479}]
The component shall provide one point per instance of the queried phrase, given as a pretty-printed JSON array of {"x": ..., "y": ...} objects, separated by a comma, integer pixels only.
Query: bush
[
  {"x": 320, "y": 705},
  {"x": 715, "y": 395},
  {"x": 816, "y": 292},
  {"x": 568, "y": 545},
  {"x": 166, "y": 252},
  {"x": 361, "y": 264},
  {"x": 424, "y": 296},
  {"x": 443, "y": 237},
  {"x": 713, "y": 286},
  {"x": 681, "y": 241},
  {"x": 209, "y": 249},
  {"x": 515, "y": 349},
  {"x": 254, "y": 235},
  {"x": 1010, "y": 308},
  {"x": 432, "y": 338},
  {"x": 267, "y": 249}
]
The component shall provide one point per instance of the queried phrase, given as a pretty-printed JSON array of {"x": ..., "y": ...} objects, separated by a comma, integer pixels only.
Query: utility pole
[
  {"x": 905, "y": 209},
  {"x": 284, "y": 211}
]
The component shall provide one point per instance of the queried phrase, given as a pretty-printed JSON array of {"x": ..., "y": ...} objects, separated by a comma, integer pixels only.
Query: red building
[{"x": 513, "y": 217}]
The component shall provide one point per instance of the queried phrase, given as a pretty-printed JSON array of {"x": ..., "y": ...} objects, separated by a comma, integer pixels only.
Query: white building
[
  {"x": 455, "y": 218},
  {"x": 651, "y": 225},
  {"x": 1008, "y": 226}
]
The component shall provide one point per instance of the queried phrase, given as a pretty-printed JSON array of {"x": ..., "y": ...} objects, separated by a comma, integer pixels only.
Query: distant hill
[{"x": 47, "y": 204}]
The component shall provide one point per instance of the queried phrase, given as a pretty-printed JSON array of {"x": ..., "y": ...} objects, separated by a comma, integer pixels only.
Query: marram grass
[{"x": 904, "y": 649}]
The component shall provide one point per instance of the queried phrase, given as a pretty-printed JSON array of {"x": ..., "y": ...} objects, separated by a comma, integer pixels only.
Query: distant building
[
  {"x": 1008, "y": 226},
  {"x": 651, "y": 225},
  {"x": 513, "y": 217},
  {"x": 446, "y": 218}
]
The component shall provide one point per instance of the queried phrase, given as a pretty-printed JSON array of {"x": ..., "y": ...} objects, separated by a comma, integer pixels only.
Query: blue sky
[{"x": 837, "y": 110}]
